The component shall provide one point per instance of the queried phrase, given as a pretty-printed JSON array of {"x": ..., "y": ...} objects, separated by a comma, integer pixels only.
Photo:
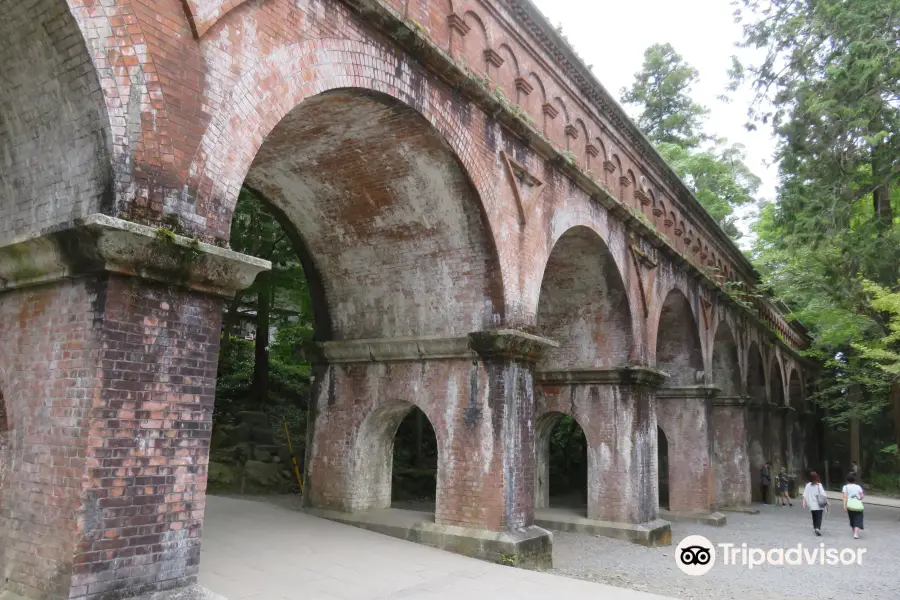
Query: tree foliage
[
  {"x": 670, "y": 118},
  {"x": 829, "y": 87}
]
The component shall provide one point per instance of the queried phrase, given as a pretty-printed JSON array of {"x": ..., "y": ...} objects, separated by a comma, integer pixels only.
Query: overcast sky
[{"x": 612, "y": 36}]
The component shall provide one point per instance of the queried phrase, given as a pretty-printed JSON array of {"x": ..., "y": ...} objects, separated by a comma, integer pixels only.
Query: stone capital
[
  {"x": 628, "y": 375},
  {"x": 693, "y": 392},
  {"x": 731, "y": 401},
  {"x": 509, "y": 344},
  {"x": 100, "y": 243}
]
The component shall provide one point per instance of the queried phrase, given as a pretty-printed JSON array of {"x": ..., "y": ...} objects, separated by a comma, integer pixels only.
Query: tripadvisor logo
[{"x": 696, "y": 555}]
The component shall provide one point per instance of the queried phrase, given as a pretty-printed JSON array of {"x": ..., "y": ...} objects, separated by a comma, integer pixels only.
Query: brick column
[
  {"x": 685, "y": 416},
  {"x": 477, "y": 392},
  {"x": 732, "y": 458},
  {"x": 110, "y": 403},
  {"x": 616, "y": 410}
]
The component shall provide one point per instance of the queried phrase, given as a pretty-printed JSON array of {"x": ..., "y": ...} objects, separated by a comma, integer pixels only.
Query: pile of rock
[{"x": 245, "y": 457}]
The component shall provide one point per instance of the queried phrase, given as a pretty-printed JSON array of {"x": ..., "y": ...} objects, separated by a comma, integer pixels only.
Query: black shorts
[{"x": 856, "y": 518}]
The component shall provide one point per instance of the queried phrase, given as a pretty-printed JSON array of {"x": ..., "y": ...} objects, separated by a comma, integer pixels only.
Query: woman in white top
[
  {"x": 812, "y": 494},
  {"x": 855, "y": 491}
]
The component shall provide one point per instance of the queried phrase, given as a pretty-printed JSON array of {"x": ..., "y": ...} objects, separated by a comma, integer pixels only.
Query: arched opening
[
  {"x": 662, "y": 461},
  {"x": 758, "y": 420},
  {"x": 4, "y": 448},
  {"x": 726, "y": 371},
  {"x": 562, "y": 463},
  {"x": 387, "y": 466},
  {"x": 777, "y": 420},
  {"x": 678, "y": 350},
  {"x": 415, "y": 463},
  {"x": 375, "y": 232},
  {"x": 583, "y": 305},
  {"x": 797, "y": 459}
]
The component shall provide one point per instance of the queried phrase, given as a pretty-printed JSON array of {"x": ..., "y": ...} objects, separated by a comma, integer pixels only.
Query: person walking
[
  {"x": 853, "y": 506},
  {"x": 765, "y": 480},
  {"x": 815, "y": 500},
  {"x": 781, "y": 487}
]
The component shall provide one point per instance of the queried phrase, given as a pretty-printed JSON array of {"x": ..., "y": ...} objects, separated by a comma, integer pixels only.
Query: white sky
[{"x": 612, "y": 36}]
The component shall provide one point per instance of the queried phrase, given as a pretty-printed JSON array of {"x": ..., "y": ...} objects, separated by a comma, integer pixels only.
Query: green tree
[
  {"x": 661, "y": 90},
  {"x": 714, "y": 171},
  {"x": 829, "y": 86}
]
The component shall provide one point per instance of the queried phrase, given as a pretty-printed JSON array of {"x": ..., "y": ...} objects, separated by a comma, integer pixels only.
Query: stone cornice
[
  {"x": 505, "y": 343},
  {"x": 100, "y": 243},
  {"x": 396, "y": 349},
  {"x": 731, "y": 401},
  {"x": 628, "y": 375},
  {"x": 509, "y": 344},
  {"x": 697, "y": 392}
]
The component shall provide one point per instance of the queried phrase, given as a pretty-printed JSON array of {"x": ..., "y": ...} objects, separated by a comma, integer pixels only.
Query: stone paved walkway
[{"x": 255, "y": 550}]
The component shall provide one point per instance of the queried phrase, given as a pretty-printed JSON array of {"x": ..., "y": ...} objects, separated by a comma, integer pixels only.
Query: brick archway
[
  {"x": 543, "y": 430},
  {"x": 584, "y": 305},
  {"x": 55, "y": 136},
  {"x": 679, "y": 352},
  {"x": 282, "y": 81},
  {"x": 388, "y": 216}
]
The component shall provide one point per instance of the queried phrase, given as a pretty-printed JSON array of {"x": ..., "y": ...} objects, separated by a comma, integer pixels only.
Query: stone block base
[
  {"x": 747, "y": 510},
  {"x": 530, "y": 548},
  {"x": 191, "y": 592},
  {"x": 652, "y": 533},
  {"x": 716, "y": 519}
]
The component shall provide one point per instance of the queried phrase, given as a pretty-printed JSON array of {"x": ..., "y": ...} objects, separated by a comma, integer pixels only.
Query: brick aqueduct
[{"x": 487, "y": 236}]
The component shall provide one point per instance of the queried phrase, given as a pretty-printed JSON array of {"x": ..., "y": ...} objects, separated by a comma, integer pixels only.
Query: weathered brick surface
[
  {"x": 619, "y": 423},
  {"x": 482, "y": 418},
  {"x": 687, "y": 425},
  {"x": 732, "y": 460},
  {"x": 54, "y": 133},
  {"x": 110, "y": 400},
  {"x": 422, "y": 206}
]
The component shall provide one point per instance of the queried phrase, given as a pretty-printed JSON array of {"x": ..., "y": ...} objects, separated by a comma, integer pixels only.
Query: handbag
[
  {"x": 854, "y": 503},
  {"x": 821, "y": 498}
]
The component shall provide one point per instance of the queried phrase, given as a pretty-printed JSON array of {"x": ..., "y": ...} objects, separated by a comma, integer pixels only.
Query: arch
[
  {"x": 545, "y": 487},
  {"x": 534, "y": 104},
  {"x": 55, "y": 139},
  {"x": 796, "y": 394},
  {"x": 726, "y": 370},
  {"x": 664, "y": 467},
  {"x": 584, "y": 305},
  {"x": 776, "y": 383},
  {"x": 388, "y": 238},
  {"x": 756, "y": 375},
  {"x": 475, "y": 42},
  {"x": 508, "y": 72},
  {"x": 678, "y": 349},
  {"x": 5, "y": 441},
  {"x": 373, "y": 454},
  {"x": 304, "y": 71}
]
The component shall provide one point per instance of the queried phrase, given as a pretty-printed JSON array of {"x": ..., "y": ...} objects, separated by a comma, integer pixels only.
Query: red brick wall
[
  {"x": 619, "y": 423},
  {"x": 110, "y": 404},
  {"x": 686, "y": 425},
  {"x": 482, "y": 419},
  {"x": 733, "y": 465},
  {"x": 49, "y": 347}
]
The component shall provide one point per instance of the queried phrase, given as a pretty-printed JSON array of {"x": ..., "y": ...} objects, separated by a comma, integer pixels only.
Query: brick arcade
[{"x": 487, "y": 237}]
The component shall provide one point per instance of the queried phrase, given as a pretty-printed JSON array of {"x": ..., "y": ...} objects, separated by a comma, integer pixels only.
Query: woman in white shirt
[
  {"x": 814, "y": 500},
  {"x": 854, "y": 494}
]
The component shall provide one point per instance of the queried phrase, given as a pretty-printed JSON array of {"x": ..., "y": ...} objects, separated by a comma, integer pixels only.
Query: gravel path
[{"x": 653, "y": 569}]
